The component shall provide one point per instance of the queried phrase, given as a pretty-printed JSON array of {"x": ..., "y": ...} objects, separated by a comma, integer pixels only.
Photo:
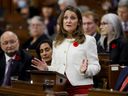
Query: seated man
[{"x": 13, "y": 61}]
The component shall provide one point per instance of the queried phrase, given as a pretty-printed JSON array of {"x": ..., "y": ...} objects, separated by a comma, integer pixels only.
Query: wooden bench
[
  {"x": 103, "y": 92},
  {"x": 109, "y": 73}
]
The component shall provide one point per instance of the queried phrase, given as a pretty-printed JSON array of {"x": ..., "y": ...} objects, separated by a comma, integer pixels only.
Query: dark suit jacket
[
  {"x": 97, "y": 37},
  {"x": 51, "y": 25},
  {"x": 119, "y": 52},
  {"x": 19, "y": 67},
  {"x": 35, "y": 46}
]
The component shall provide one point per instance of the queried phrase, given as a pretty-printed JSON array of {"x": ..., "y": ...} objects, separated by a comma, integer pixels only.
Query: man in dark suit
[
  {"x": 90, "y": 25},
  {"x": 122, "y": 11},
  {"x": 13, "y": 61}
]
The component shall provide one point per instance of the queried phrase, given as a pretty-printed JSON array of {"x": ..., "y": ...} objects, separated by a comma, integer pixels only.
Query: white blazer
[{"x": 67, "y": 59}]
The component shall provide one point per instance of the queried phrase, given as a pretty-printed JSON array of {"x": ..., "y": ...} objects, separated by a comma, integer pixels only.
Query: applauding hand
[{"x": 40, "y": 65}]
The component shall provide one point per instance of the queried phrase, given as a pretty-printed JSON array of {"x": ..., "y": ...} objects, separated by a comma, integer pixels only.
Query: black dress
[{"x": 34, "y": 46}]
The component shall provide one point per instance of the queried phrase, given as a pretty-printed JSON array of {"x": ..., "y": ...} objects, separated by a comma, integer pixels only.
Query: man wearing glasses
[{"x": 13, "y": 61}]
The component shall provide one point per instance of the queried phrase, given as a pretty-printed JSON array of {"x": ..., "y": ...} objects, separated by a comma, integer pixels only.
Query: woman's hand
[
  {"x": 84, "y": 66},
  {"x": 40, "y": 65}
]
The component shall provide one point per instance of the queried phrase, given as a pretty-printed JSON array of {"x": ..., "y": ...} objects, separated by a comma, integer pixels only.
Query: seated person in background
[
  {"x": 13, "y": 61},
  {"x": 46, "y": 51},
  {"x": 113, "y": 39},
  {"x": 47, "y": 12},
  {"x": 122, "y": 11},
  {"x": 37, "y": 32},
  {"x": 64, "y": 3},
  {"x": 25, "y": 8},
  {"x": 90, "y": 25}
]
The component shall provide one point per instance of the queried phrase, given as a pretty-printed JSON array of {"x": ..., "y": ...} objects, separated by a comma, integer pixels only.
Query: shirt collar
[
  {"x": 94, "y": 34},
  {"x": 8, "y": 58}
]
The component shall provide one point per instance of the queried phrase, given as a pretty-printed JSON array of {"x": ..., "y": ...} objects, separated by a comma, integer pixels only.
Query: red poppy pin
[
  {"x": 17, "y": 58},
  {"x": 113, "y": 46},
  {"x": 75, "y": 44}
]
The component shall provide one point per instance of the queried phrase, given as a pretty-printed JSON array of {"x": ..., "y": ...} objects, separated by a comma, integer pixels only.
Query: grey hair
[
  {"x": 37, "y": 18},
  {"x": 114, "y": 20},
  {"x": 123, "y": 3}
]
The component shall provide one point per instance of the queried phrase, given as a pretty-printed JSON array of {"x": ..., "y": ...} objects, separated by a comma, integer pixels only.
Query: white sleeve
[
  {"x": 53, "y": 66},
  {"x": 92, "y": 57}
]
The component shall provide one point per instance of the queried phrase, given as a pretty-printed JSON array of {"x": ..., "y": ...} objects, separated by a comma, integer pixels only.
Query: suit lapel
[
  {"x": 2, "y": 67},
  {"x": 17, "y": 65}
]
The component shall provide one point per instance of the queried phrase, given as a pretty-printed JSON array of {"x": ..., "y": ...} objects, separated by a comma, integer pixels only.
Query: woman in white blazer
[{"x": 74, "y": 54}]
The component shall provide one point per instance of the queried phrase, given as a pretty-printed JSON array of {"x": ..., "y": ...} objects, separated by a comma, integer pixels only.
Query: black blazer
[
  {"x": 36, "y": 44},
  {"x": 97, "y": 37},
  {"x": 118, "y": 51},
  {"x": 21, "y": 63}
]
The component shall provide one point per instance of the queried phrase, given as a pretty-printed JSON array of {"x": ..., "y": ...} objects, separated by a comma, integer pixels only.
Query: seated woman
[
  {"x": 113, "y": 40},
  {"x": 37, "y": 32},
  {"x": 45, "y": 49},
  {"x": 47, "y": 12}
]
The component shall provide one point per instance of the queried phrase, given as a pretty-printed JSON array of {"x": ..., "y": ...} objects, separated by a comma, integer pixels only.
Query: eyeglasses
[
  {"x": 87, "y": 23},
  {"x": 36, "y": 25},
  {"x": 103, "y": 23},
  {"x": 9, "y": 42}
]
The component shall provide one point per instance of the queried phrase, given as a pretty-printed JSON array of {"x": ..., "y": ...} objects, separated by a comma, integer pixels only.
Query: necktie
[
  {"x": 125, "y": 26},
  {"x": 7, "y": 77},
  {"x": 124, "y": 84}
]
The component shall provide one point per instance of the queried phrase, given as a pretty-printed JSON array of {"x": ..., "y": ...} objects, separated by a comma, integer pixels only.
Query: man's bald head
[
  {"x": 9, "y": 42},
  {"x": 8, "y": 34}
]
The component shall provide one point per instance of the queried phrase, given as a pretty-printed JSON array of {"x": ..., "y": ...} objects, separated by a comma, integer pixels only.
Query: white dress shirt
[
  {"x": 67, "y": 59},
  {"x": 125, "y": 26}
]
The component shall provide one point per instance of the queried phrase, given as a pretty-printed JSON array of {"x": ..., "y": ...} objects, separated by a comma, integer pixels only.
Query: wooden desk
[
  {"x": 103, "y": 92},
  {"x": 38, "y": 79},
  {"x": 108, "y": 75},
  {"x": 7, "y": 91}
]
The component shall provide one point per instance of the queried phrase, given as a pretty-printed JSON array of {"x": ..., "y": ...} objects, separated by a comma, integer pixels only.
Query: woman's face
[
  {"x": 105, "y": 27},
  {"x": 70, "y": 21},
  {"x": 47, "y": 11},
  {"x": 36, "y": 28},
  {"x": 46, "y": 52}
]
